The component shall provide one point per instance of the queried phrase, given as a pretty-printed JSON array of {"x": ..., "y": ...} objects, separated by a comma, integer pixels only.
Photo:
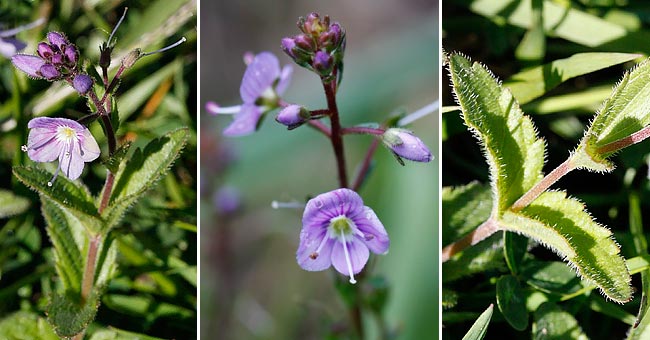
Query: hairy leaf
[
  {"x": 11, "y": 204},
  {"x": 142, "y": 171},
  {"x": 514, "y": 153},
  {"x": 562, "y": 225},
  {"x": 66, "y": 193},
  {"x": 534, "y": 82},
  {"x": 486, "y": 255},
  {"x": 463, "y": 209},
  {"x": 625, "y": 112},
  {"x": 70, "y": 317},
  {"x": 25, "y": 325},
  {"x": 551, "y": 322},
  {"x": 551, "y": 277},
  {"x": 479, "y": 328},
  {"x": 61, "y": 229},
  {"x": 512, "y": 302}
]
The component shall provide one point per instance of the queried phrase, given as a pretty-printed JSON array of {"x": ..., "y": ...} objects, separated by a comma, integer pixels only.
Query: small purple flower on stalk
[
  {"x": 404, "y": 144},
  {"x": 54, "y": 60},
  {"x": 337, "y": 229},
  {"x": 292, "y": 116},
  {"x": 10, "y": 46},
  {"x": 261, "y": 87},
  {"x": 63, "y": 139}
]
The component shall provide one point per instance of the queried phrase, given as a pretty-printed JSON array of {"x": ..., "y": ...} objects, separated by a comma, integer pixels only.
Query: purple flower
[
  {"x": 292, "y": 116},
  {"x": 261, "y": 86},
  {"x": 10, "y": 46},
  {"x": 337, "y": 229},
  {"x": 53, "y": 60},
  {"x": 63, "y": 139},
  {"x": 406, "y": 145}
]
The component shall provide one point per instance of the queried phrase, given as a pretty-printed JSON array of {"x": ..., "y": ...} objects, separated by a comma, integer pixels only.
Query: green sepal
[
  {"x": 69, "y": 316},
  {"x": 562, "y": 224},
  {"x": 139, "y": 173},
  {"x": 479, "y": 328},
  {"x": 511, "y": 301},
  {"x": 12, "y": 204}
]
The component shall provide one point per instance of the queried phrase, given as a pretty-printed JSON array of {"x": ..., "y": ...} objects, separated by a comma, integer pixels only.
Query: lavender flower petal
[
  {"x": 49, "y": 72},
  {"x": 10, "y": 46},
  {"x": 245, "y": 121},
  {"x": 357, "y": 252},
  {"x": 285, "y": 79},
  {"x": 376, "y": 237},
  {"x": 57, "y": 39},
  {"x": 29, "y": 64},
  {"x": 309, "y": 245},
  {"x": 259, "y": 76}
]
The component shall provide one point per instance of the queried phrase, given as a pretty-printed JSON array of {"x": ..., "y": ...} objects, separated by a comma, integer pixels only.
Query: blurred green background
[{"x": 251, "y": 285}]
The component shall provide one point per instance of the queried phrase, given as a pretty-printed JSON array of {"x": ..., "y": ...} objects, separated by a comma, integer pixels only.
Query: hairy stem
[
  {"x": 542, "y": 185},
  {"x": 479, "y": 234},
  {"x": 336, "y": 137},
  {"x": 361, "y": 130},
  {"x": 632, "y": 139},
  {"x": 91, "y": 262}
]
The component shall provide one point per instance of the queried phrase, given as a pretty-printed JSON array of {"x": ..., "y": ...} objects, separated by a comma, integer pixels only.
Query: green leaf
[
  {"x": 65, "y": 234},
  {"x": 70, "y": 317},
  {"x": 512, "y": 302},
  {"x": 479, "y": 328},
  {"x": 552, "y": 277},
  {"x": 119, "y": 334},
  {"x": 535, "y": 82},
  {"x": 532, "y": 47},
  {"x": 11, "y": 204},
  {"x": 515, "y": 247},
  {"x": 449, "y": 298},
  {"x": 463, "y": 209},
  {"x": 622, "y": 114},
  {"x": 514, "y": 153},
  {"x": 484, "y": 256},
  {"x": 67, "y": 194},
  {"x": 551, "y": 322},
  {"x": 25, "y": 325},
  {"x": 142, "y": 171},
  {"x": 562, "y": 225}
]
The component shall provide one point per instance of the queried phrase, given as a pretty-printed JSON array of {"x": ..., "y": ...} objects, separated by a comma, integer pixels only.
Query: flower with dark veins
[
  {"x": 338, "y": 230},
  {"x": 261, "y": 87},
  {"x": 63, "y": 139}
]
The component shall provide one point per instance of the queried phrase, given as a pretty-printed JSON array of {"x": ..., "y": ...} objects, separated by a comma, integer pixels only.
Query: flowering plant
[
  {"x": 339, "y": 229},
  {"x": 89, "y": 170}
]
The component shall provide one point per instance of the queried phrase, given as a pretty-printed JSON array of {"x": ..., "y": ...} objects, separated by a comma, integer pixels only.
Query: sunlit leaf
[
  {"x": 25, "y": 325},
  {"x": 479, "y": 328},
  {"x": 551, "y": 322},
  {"x": 11, "y": 204}
]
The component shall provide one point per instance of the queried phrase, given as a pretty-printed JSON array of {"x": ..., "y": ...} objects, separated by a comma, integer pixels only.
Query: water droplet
[{"x": 319, "y": 204}]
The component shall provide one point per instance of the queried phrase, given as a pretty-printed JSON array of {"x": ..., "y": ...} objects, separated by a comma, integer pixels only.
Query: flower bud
[
  {"x": 82, "y": 83},
  {"x": 57, "y": 39},
  {"x": 293, "y": 116},
  {"x": 304, "y": 42},
  {"x": 49, "y": 72},
  {"x": 57, "y": 59},
  {"x": 131, "y": 58},
  {"x": 322, "y": 63},
  {"x": 105, "y": 56},
  {"x": 44, "y": 50},
  {"x": 288, "y": 44},
  {"x": 71, "y": 55},
  {"x": 406, "y": 145}
]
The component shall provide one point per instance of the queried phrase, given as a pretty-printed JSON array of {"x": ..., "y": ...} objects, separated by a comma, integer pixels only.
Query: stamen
[
  {"x": 182, "y": 40},
  {"x": 313, "y": 255},
  {"x": 215, "y": 109},
  {"x": 24, "y": 148},
  {"x": 322, "y": 243},
  {"x": 287, "y": 205},
  {"x": 410, "y": 118},
  {"x": 108, "y": 43},
  {"x": 347, "y": 259},
  {"x": 248, "y": 57},
  {"x": 14, "y": 31}
]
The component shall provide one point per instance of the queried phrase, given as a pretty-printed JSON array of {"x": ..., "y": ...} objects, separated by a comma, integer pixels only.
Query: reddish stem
[
  {"x": 320, "y": 127},
  {"x": 336, "y": 136},
  {"x": 632, "y": 139},
  {"x": 479, "y": 234},
  {"x": 361, "y": 130}
]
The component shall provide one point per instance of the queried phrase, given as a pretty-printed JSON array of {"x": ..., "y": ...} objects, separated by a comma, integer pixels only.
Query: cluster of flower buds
[
  {"x": 319, "y": 48},
  {"x": 56, "y": 59}
]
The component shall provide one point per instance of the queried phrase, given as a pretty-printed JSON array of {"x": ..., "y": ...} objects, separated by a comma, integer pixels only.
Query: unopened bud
[
  {"x": 293, "y": 116},
  {"x": 406, "y": 145},
  {"x": 44, "y": 50},
  {"x": 82, "y": 83},
  {"x": 322, "y": 63},
  {"x": 131, "y": 58},
  {"x": 49, "y": 72}
]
